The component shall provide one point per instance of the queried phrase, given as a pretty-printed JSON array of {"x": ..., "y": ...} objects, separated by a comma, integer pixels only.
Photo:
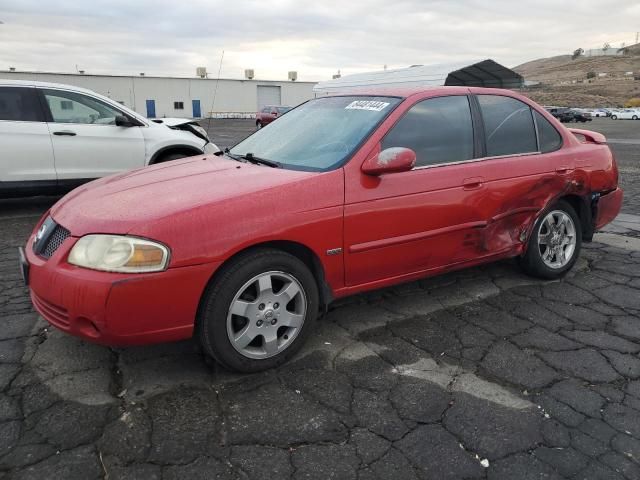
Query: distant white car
[
  {"x": 55, "y": 137},
  {"x": 627, "y": 114},
  {"x": 598, "y": 113}
]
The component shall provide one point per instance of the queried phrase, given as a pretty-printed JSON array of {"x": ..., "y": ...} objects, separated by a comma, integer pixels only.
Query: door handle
[
  {"x": 561, "y": 169},
  {"x": 472, "y": 183},
  {"x": 63, "y": 133}
]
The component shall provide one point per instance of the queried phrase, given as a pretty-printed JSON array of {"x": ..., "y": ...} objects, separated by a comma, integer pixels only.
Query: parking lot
[{"x": 482, "y": 373}]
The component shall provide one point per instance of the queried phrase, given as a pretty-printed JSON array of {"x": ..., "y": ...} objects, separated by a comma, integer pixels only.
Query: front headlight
[{"x": 116, "y": 253}]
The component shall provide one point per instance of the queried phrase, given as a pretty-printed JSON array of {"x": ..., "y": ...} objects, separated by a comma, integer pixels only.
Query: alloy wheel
[
  {"x": 266, "y": 315},
  {"x": 557, "y": 239}
]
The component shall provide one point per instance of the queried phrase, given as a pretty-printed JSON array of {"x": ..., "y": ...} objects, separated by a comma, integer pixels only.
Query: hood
[
  {"x": 172, "y": 122},
  {"x": 186, "y": 124},
  {"x": 120, "y": 203}
]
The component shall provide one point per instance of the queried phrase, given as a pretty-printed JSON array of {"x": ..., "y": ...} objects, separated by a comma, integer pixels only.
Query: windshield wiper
[
  {"x": 257, "y": 160},
  {"x": 250, "y": 157},
  {"x": 233, "y": 156}
]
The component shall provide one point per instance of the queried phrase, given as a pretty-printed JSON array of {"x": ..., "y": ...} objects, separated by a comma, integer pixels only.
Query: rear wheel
[
  {"x": 259, "y": 311},
  {"x": 554, "y": 244},
  {"x": 635, "y": 117}
]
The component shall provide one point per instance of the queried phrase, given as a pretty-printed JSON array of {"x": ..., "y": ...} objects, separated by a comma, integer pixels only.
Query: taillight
[{"x": 614, "y": 168}]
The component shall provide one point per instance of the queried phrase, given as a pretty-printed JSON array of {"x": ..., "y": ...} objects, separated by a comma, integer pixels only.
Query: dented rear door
[{"x": 520, "y": 179}]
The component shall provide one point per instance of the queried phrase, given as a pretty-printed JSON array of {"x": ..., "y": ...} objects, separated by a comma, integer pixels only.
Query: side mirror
[
  {"x": 122, "y": 121},
  {"x": 395, "y": 159}
]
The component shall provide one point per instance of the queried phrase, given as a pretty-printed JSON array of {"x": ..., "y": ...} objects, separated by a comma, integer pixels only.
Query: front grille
[{"x": 58, "y": 236}]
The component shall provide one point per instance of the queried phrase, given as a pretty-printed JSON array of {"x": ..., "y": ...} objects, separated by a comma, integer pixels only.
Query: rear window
[
  {"x": 548, "y": 137},
  {"x": 508, "y": 126},
  {"x": 19, "y": 104}
]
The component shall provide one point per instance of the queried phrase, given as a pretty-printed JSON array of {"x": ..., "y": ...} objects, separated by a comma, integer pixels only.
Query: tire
[
  {"x": 171, "y": 156},
  {"x": 238, "y": 285},
  {"x": 535, "y": 261},
  {"x": 259, "y": 125},
  {"x": 614, "y": 117},
  {"x": 635, "y": 117}
]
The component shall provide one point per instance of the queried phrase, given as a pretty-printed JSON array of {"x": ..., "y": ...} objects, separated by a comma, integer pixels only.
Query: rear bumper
[
  {"x": 116, "y": 309},
  {"x": 609, "y": 206}
]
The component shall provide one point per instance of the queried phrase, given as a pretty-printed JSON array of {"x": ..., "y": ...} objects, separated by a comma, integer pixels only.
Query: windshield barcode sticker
[{"x": 367, "y": 105}]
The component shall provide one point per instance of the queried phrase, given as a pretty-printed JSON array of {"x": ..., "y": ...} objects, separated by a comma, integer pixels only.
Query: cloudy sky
[{"x": 316, "y": 38}]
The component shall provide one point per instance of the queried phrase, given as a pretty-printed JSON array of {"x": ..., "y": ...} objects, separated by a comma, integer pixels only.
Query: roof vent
[
  {"x": 293, "y": 76},
  {"x": 249, "y": 74},
  {"x": 201, "y": 72},
  {"x": 81, "y": 72},
  {"x": 12, "y": 69},
  {"x": 142, "y": 74}
]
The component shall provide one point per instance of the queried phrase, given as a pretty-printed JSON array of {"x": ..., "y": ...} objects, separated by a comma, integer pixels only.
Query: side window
[
  {"x": 266, "y": 110},
  {"x": 548, "y": 137},
  {"x": 72, "y": 107},
  {"x": 508, "y": 126},
  {"x": 19, "y": 104},
  {"x": 439, "y": 130}
]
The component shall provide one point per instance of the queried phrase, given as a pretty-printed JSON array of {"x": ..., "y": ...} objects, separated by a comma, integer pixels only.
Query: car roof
[
  {"x": 34, "y": 83},
  {"x": 403, "y": 92}
]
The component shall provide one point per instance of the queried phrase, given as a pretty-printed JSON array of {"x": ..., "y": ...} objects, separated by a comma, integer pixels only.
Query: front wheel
[
  {"x": 614, "y": 117},
  {"x": 171, "y": 156},
  {"x": 554, "y": 244},
  {"x": 259, "y": 125},
  {"x": 258, "y": 311}
]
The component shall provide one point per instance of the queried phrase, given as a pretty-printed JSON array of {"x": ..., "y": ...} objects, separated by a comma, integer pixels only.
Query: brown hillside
[{"x": 564, "y": 81}]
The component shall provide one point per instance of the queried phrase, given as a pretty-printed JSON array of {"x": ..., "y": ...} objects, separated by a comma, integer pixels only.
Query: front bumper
[{"x": 113, "y": 308}]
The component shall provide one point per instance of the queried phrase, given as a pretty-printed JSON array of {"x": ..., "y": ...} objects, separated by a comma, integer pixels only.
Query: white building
[{"x": 181, "y": 97}]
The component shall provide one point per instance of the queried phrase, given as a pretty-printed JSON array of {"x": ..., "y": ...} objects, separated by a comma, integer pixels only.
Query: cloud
[{"x": 315, "y": 38}]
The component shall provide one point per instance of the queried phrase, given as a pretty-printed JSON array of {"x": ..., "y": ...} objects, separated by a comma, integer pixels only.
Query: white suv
[{"x": 55, "y": 137}]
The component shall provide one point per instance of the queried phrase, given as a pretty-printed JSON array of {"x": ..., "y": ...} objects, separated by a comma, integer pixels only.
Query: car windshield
[{"x": 320, "y": 134}]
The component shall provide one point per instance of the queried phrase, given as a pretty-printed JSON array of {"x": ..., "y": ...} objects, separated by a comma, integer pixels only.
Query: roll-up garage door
[{"x": 268, "y": 95}]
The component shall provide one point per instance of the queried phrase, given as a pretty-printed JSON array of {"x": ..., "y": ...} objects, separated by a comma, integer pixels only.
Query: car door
[
  {"x": 27, "y": 154},
  {"x": 523, "y": 168},
  {"x": 86, "y": 141},
  {"x": 404, "y": 223}
]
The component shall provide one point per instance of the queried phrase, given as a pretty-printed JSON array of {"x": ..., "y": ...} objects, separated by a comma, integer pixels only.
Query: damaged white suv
[{"x": 55, "y": 137}]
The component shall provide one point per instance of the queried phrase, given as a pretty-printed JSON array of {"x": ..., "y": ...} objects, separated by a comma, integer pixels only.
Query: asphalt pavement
[{"x": 483, "y": 373}]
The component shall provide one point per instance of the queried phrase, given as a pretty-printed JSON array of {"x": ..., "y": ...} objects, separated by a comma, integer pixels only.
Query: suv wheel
[
  {"x": 259, "y": 311},
  {"x": 170, "y": 156},
  {"x": 614, "y": 117},
  {"x": 554, "y": 244}
]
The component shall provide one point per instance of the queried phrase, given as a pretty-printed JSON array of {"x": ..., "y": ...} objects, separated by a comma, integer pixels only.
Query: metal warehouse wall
[{"x": 235, "y": 96}]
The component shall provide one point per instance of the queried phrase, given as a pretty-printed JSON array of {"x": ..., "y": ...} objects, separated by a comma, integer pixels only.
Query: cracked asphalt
[{"x": 482, "y": 373}]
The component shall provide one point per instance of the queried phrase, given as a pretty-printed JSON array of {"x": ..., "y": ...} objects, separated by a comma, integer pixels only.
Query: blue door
[
  {"x": 196, "y": 108},
  {"x": 151, "y": 109}
]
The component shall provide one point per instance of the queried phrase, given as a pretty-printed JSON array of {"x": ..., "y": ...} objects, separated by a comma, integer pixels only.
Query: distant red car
[
  {"x": 343, "y": 194},
  {"x": 269, "y": 113}
]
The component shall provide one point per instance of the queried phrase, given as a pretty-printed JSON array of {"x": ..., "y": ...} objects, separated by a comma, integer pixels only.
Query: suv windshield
[{"x": 320, "y": 134}]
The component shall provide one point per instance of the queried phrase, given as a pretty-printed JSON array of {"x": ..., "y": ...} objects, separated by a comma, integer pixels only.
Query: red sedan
[
  {"x": 268, "y": 114},
  {"x": 343, "y": 194}
]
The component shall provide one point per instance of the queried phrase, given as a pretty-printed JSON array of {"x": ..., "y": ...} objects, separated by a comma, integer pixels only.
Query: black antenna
[{"x": 215, "y": 92}]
